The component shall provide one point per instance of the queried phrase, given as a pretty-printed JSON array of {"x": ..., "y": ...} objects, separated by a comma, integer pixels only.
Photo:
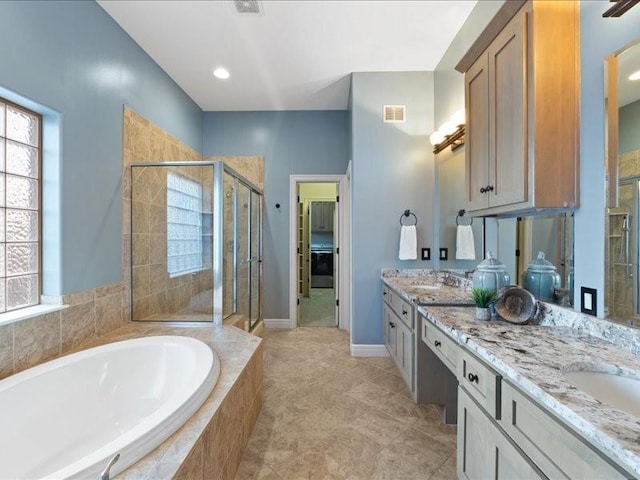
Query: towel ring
[
  {"x": 461, "y": 214},
  {"x": 408, "y": 213}
]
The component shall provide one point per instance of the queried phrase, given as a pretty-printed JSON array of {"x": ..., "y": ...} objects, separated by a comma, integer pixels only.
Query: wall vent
[
  {"x": 248, "y": 6},
  {"x": 394, "y": 114}
]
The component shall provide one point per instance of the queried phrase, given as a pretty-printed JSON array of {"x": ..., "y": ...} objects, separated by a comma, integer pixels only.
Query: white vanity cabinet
[
  {"x": 484, "y": 452},
  {"x": 440, "y": 344},
  {"x": 399, "y": 335},
  {"x": 558, "y": 452}
]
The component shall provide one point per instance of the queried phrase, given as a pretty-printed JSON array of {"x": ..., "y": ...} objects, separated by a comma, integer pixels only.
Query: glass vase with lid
[
  {"x": 541, "y": 278},
  {"x": 491, "y": 274}
]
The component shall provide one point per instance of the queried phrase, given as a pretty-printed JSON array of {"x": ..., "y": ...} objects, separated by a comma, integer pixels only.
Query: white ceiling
[{"x": 296, "y": 55}]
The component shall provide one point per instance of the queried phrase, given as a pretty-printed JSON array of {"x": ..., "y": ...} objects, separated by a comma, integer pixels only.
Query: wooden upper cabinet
[{"x": 522, "y": 103}]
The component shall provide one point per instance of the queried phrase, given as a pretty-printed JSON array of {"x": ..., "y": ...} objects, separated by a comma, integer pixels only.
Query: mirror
[
  {"x": 550, "y": 234},
  {"x": 623, "y": 185},
  {"x": 518, "y": 240}
]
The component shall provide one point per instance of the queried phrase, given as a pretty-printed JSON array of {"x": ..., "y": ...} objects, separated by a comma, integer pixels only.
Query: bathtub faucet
[{"x": 107, "y": 471}]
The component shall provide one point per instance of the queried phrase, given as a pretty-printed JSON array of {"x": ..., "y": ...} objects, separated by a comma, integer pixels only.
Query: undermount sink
[
  {"x": 428, "y": 287},
  {"x": 619, "y": 391}
]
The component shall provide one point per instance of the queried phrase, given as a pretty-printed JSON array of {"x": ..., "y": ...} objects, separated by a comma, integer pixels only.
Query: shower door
[
  {"x": 249, "y": 253},
  {"x": 255, "y": 263}
]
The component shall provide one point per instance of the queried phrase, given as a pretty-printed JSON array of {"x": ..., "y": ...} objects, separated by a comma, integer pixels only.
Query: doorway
[
  {"x": 319, "y": 251},
  {"x": 317, "y": 268}
]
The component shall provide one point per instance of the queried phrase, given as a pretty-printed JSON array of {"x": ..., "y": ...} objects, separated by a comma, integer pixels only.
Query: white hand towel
[
  {"x": 408, "y": 243},
  {"x": 465, "y": 246}
]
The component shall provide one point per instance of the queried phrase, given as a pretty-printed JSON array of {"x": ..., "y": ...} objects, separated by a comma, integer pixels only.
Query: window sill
[{"x": 29, "y": 312}]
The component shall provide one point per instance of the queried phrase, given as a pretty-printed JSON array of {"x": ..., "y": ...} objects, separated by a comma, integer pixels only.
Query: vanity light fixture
[
  {"x": 635, "y": 76},
  {"x": 221, "y": 73},
  {"x": 450, "y": 133}
]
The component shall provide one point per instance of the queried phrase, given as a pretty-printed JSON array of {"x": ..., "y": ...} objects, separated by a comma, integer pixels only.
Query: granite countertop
[
  {"x": 534, "y": 358},
  {"x": 430, "y": 289}
]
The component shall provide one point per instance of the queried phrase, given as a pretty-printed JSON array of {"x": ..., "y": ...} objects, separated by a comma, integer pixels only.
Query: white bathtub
[{"x": 65, "y": 419}]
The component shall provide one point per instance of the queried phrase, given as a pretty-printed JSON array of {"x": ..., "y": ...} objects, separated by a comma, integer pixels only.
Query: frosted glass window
[
  {"x": 20, "y": 186},
  {"x": 184, "y": 225}
]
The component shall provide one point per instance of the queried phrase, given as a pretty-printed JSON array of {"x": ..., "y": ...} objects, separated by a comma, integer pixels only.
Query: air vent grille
[
  {"x": 394, "y": 114},
  {"x": 248, "y": 6}
]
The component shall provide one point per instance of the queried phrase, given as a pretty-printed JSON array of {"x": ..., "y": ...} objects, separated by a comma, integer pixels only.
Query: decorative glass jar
[
  {"x": 541, "y": 278},
  {"x": 491, "y": 274}
]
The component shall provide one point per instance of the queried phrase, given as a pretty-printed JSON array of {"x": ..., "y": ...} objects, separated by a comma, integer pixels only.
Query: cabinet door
[
  {"x": 389, "y": 330},
  {"x": 508, "y": 170},
  {"x": 404, "y": 352},
  {"x": 483, "y": 450},
  {"x": 477, "y": 133}
]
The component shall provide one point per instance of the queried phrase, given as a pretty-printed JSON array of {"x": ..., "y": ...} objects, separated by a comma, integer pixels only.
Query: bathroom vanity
[{"x": 518, "y": 416}]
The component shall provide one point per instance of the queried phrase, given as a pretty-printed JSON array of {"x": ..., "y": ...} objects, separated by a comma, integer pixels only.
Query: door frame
[{"x": 344, "y": 243}]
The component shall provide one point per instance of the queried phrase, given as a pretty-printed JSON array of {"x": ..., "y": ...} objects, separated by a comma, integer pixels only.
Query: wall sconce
[{"x": 450, "y": 133}]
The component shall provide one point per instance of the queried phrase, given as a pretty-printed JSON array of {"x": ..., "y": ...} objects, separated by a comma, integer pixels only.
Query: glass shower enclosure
[{"x": 196, "y": 244}]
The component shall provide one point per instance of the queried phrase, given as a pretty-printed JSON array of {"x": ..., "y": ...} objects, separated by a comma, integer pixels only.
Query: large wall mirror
[{"x": 622, "y": 229}]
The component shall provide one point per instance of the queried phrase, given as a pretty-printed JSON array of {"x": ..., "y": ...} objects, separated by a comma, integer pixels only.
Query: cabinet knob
[
  {"x": 483, "y": 190},
  {"x": 437, "y": 343},
  {"x": 404, "y": 312},
  {"x": 473, "y": 378},
  {"x": 384, "y": 293},
  {"x": 392, "y": 325},
  {"x": 489, "y": 188}
]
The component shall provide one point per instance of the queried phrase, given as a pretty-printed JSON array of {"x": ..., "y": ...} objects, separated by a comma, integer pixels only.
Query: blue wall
[
  {"x": 599, "y": 37},
  {"x": 74, "y": 61},
  {"x": 392, "y": 172},
  {"x": 293, "y": 143},
  {"x": 629, "y": 137},
  {"x": 449, "y": 98}
]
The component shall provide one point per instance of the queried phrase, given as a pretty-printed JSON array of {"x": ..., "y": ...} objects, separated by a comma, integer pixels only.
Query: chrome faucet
[{"x": 106, "y": 473}]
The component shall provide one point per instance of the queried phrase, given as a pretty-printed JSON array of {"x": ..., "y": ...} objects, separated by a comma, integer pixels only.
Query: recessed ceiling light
[
  {"x": 221, "y": 73},
  {"x": 635, "y": 75}
]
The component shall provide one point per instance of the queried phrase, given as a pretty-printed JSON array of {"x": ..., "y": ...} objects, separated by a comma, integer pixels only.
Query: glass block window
[
  {"x": 20, "y": 150},
  {"x": 184, "y": 225}
]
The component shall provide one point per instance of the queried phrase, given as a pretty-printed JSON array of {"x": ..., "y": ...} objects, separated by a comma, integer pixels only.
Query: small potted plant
[{"x": 483, "y": 298}]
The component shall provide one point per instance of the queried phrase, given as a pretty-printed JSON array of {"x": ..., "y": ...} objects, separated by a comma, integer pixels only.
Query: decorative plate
[{"x": 517, "y": 305}]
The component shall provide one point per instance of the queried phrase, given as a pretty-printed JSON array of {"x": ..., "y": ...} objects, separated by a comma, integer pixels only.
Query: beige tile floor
[{"x": 330, "y": 416}]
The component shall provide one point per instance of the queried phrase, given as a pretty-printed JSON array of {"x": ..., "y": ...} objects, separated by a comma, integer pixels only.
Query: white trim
[
  {"x": 369, "y": 351},
  {"x": 277, "y": 323},
  {"x": 344, "y": 259}
]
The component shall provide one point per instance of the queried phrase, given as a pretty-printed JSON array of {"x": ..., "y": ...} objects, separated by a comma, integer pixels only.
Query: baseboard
[
  {"x": 277, "y": 323},
  {"x": 369, "y": 351}
]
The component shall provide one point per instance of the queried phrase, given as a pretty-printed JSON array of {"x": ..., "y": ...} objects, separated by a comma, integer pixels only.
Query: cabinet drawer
[
  {"x": 438, "y": 341},
  {"x": 481, "y": 382},
  {"x": 558, "y": 452},
  {"x": 403, "y": 309}
]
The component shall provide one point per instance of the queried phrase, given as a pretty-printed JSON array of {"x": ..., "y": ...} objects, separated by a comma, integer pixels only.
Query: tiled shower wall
[
  {"x": 619, "y": 298},
  {"x": 154, "y": 292}
]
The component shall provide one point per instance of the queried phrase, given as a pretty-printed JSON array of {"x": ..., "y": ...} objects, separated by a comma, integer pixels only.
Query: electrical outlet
[
  {"x": 588, "y": 300},
  {"x": 444, "y": 254},
  {"x": 426, "y": 254}
]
